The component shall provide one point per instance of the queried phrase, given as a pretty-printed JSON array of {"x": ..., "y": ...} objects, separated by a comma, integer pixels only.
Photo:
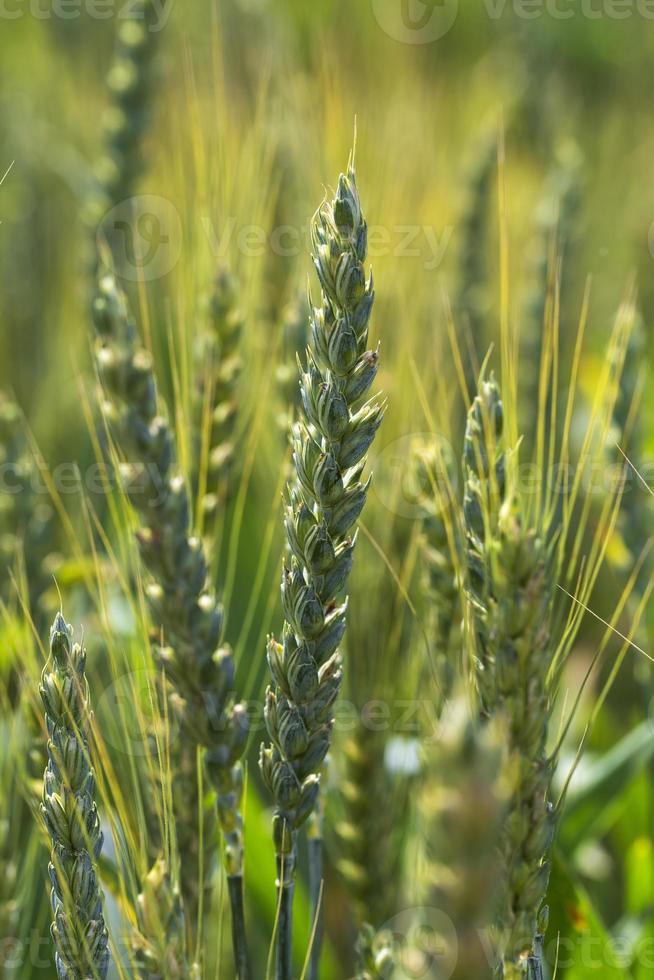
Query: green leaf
[
  {"x": 596, "y": 791},
  {"x": 586, "y": 948}
]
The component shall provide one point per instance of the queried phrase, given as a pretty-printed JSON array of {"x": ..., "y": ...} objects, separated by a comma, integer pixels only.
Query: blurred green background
[{"x": 254, "y": 106}]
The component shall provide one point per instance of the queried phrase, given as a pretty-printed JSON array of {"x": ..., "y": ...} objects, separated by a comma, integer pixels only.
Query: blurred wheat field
[{"x": 472, "y": 797}]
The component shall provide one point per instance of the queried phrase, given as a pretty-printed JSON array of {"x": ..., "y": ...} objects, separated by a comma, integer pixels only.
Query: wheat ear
[
  {"x": 557, "y": 218},
  {"x": 330, "y": 442},
  {"x": 462, "y": 812},
  {"x": 27, "y": 525},
  {"x": 294, "y": 329},
  {"x": 440, "y": 548},
  {"x": 219, "y": 366},
  {"x": 159, "y": 945},
  {"x": 187, "y": 616},
  {"x": 510, "y": 601},
  {"x": 636, "y": 506},
  {"x": 470, "y": 301},
  {"x": 127, "y": 118},
  {"x": 70, "y": 813},
  {"x": 370, "y": 813}
]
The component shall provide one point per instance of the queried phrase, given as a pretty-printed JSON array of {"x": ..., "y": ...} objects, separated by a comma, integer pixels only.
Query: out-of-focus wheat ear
[
  {"x": 27, "y": 520},
  {"x": 130, "y": 83},
  {"x": 374, "y": 951},
  {"x": 69, "y": 810},
  {"x": 463, "y": 805},
  {"x": 295, "y": 337},
  {"x": 159, "y": 943},
  {"x": 218, "y": 369},
  {"x": 470, "y": 303},
  {"x": 186, "y": 615},
  {"x": 636, "y": 520},
  {"x": 331, "y": 438},
  {"x": 547, "y": 313},
  {"x": 441, "y": 552},
  {"x": 510, "y": 604}
]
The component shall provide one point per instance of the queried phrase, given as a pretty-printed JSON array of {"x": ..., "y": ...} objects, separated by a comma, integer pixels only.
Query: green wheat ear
[
  {"x": 127, "y": 118},
  {"x": 635, "y": 521},
  {"x": 27, "y": 524},
  {"x": 70, "y": 814},
  {"x": 470, "y": 304},
  {"x": 219, "y": 366},
  {"x": 440, "y": 552},
  {"x": 547, "y": 302},
  {"x": 294, "y": 330},
  {"x": 509, "y": 611},
  {"x": 160, "y": 945},
  {"x": 185, "y": 612},
  {"x": 330, "y": 443}
]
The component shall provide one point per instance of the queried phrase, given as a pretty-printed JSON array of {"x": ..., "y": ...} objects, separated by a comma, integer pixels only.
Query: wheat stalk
[
  {"x": 70, "y": 814},
  {"x": 330, "y": 443},
  {"x": 186, "y": 613},
  {"x": 510, "y": 602}
]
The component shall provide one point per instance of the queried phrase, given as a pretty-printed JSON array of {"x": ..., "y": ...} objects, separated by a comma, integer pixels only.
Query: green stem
[
  {"x": 535, "y": 962},
  {"x": 239, "y": 936},
  {"x": 315, "y": 892},
  {"x": 284, "y": 935}
]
